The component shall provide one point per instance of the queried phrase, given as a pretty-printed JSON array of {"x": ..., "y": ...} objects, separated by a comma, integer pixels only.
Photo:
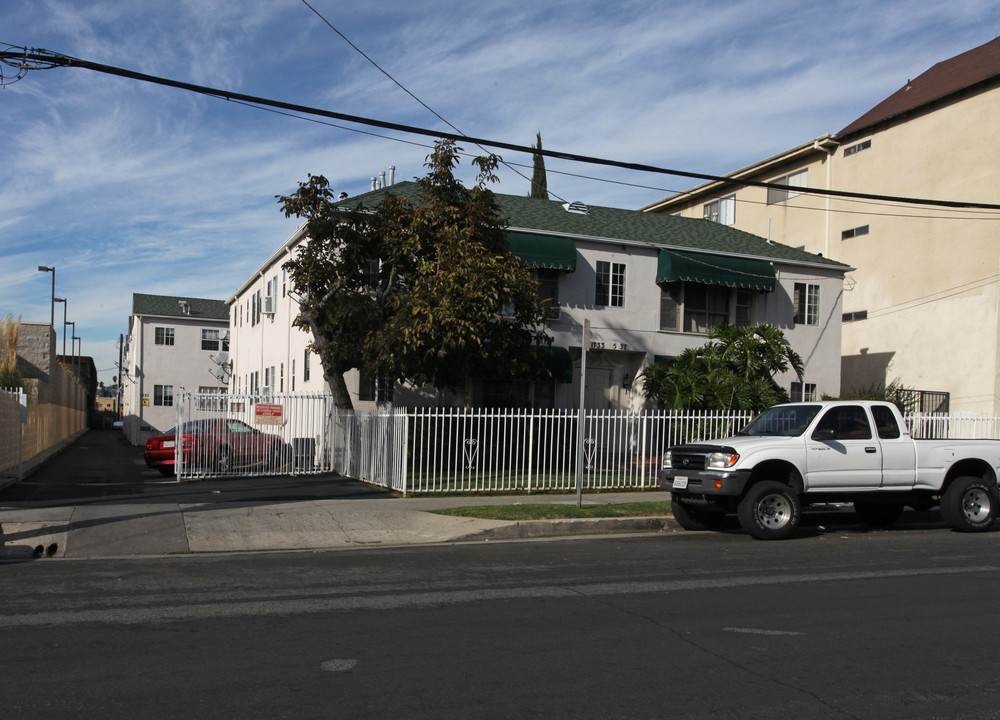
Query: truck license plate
[{"x": 680, "y": 483}]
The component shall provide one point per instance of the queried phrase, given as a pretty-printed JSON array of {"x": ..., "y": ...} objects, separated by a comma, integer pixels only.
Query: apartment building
[
  {"x": 922, "y": 305},
  {"x": 650, "y": 285}
]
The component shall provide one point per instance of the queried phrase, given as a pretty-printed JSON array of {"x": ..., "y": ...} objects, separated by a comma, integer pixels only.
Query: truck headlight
[
  {"x": 721, "y": 460},
  {"x": 668, "y": 461}
]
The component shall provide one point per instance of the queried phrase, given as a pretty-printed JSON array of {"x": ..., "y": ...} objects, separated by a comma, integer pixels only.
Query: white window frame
[
  {"x": 722, "y": 211},
  {"x": 803, "y": 392},
  {"x": 163, "y": 336},
  {"x": 163, "y": 395},
  {"x": 609, "y": 290},
  {"x": 805, "y": 301},
  {"x": 799, "y": 178},
  {"x": 675, "y": 293}
]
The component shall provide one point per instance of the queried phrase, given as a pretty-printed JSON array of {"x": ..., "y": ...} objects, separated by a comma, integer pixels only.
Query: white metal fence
[
  {"x": 431, "y": 450},
  {"x": 440, "y": 450},
  {"x": 13, "y": 416},
  {"x": 250, "y": 435}
]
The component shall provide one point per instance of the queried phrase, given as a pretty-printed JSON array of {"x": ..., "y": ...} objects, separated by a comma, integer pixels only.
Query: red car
[{"x": 217, "y": 445}]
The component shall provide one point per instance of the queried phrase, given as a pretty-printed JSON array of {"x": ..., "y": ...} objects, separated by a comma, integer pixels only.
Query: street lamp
[
  {"x": 73, "y": 340},
  {"x": 63, "y": 301},
  {"x": 73, "y": 345},
  {"x": 43, "y": 268}
]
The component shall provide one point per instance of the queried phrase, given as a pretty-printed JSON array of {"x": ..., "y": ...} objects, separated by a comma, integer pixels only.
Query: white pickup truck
[{"x": 821, "y": 452}]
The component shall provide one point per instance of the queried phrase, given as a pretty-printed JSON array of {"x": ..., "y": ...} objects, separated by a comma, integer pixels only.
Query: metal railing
[
  {"x": 13, "y": 416},
  {"x": 252, "y": 435},
  {"x": 432, "y": 450}
]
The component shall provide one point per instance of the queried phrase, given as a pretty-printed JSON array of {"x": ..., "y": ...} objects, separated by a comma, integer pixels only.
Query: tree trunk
[{"x": 338, "y": 388}]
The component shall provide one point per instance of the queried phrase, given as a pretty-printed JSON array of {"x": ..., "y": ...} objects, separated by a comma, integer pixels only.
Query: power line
[
  {"x": 402, "y": 87},
  {"x": 20, "y": 58}
]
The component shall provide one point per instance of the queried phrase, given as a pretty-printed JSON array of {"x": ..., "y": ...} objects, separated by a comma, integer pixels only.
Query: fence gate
[
  {"x": 13, "y": 416},
  {"x": 252, "y": 435}
]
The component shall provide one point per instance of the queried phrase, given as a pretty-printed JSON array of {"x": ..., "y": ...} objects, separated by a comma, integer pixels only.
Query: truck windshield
[{"x": 788, "y": 420}]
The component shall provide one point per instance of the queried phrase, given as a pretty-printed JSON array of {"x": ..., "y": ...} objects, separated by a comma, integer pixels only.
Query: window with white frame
[
  {"x": 163, "y": 395},
  {"x": 305, "y": 366},
  {"x": 610, "y": 288},
  {"x": 795, "y": 179},
  {"x": 211, "y": 398},
  {"x": 722, "y": 211},
  {"x": 806, "y": 301},
  {"x": 163, "y": 336},
  {"x": 803, "y": 392},
  {"x": 210, "y": 340},
  {"x": 697, "y": 308}
]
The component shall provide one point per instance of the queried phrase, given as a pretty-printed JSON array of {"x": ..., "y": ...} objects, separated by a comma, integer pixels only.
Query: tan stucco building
[{"x": 923, "y": 305}]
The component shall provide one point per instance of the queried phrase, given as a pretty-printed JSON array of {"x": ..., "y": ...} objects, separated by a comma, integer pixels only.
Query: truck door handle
[{"x": 870, "y": 450}]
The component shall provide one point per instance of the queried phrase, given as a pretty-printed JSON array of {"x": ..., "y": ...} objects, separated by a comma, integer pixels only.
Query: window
[
  {"x": 803, "y": 392},
  {"x": 848, "y": 151},
  {"x": 305, "y": 366},
  {"x": 854, "y": 232},
  {"x": 284, "y": 281},
  {"x": 548, "y": 290},
  {"x": 374, "y": 388},
  {"x": 795, "y": 179},
  {"x": 610, "y": 290},
  {"x": 854, "y": 316},
  {"x": 164, "y": 336},
  {"x": 722, "y": 210},
  {"x": 806, "y": 302},
  {"x": 848, "y": 422},
  {"x": 697, "y": 308},
  {"x": 281, "y": 378},
  {"x": 210, "y": 340},
  {"x": 293, "y": 375},
  {"x": 163, "y": 395},
  {"x": 215, "y": 399},
  {"x": 885, "y": 423}
]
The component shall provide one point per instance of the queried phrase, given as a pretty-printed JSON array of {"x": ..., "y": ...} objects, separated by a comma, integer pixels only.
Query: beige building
[{"x": 923, "y": 304}]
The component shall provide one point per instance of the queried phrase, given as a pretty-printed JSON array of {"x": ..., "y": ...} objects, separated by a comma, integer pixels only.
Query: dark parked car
[{"x": 217, "y": 445}]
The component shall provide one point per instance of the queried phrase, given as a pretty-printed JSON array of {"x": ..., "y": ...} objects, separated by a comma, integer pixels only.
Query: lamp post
[
  {"x": 43, "y": 268},
  {"x": 73, "y": 344},
  {"x": 76, "y": 358},
  {"x": 63, "y": 301}
]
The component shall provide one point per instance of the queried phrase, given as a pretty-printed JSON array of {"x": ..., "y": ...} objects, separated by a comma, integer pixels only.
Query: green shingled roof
[
  {"x": 631, "y": 226},
  {"x": 170, "y": 306}
]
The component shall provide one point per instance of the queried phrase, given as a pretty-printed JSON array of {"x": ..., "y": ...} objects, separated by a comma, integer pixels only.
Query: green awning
[
  {"x": 543, "y": 251},
  {"x": 708, "y": 269}
]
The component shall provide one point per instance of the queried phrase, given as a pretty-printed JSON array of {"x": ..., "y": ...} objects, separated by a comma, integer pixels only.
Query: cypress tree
[{"x": 539, "y": 185}]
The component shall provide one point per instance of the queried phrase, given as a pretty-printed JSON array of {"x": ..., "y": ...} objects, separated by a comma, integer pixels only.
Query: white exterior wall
[
  {"x": 624, "y": 340},
  {"x": 183, "y": 365}
]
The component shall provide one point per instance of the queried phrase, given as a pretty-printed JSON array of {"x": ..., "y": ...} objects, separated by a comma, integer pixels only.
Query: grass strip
[{"x": 558, "y": 511}]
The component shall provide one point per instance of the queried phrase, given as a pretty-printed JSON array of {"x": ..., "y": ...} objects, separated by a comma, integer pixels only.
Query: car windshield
[{"x": 787, "y": 420}]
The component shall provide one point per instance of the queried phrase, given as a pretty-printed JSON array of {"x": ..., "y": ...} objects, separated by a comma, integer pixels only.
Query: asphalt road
[
  {"x": 101, "y": 467},
  {"x": 886, "y": 624}
]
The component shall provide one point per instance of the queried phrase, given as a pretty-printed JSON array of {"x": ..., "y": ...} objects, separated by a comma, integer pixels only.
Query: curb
[{"x": 526, "y": 529}]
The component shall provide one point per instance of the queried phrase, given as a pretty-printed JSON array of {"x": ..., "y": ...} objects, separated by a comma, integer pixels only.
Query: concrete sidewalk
[{"x": 137, "y": 529}]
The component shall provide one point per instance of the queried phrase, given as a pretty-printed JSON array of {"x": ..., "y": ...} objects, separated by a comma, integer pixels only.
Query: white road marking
[
  {"x": 760, "y": 631},
  {"x": 338, "y": 665}
]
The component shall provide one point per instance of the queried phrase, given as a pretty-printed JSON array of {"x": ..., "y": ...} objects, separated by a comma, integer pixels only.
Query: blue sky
[{"x": 128, "y": 187}]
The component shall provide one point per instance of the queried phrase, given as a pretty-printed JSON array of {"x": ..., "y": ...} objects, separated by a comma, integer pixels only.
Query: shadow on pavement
[{"x": 101, "y": 467}]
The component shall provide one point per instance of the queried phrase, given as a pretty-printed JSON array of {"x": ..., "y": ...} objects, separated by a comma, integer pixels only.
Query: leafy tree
[
  {"x": 416, "y": 291},
  {"x": 539, "y": 184},
  {"x": 734, "y": 370}
]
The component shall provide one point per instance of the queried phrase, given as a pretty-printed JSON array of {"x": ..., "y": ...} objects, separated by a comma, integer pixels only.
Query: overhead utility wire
[
  {"x": 59, "y": 60},
  {"x": 402, "y": 87}
]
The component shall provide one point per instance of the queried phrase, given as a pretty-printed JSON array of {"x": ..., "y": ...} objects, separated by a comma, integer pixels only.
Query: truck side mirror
[{"x": 824, "y": 434}]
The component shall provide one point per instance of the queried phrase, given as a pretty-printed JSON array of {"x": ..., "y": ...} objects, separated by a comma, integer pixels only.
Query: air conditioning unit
[{"x": 270, "y": 303}]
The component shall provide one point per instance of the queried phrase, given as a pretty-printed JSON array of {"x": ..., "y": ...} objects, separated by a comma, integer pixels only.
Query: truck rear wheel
[
  {"x": 970, "y": 504},
  {"x": 770, "y": 511}
]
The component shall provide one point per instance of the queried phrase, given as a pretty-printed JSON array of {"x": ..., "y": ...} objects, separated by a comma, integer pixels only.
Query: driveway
[{"x": 101, "y": 467}]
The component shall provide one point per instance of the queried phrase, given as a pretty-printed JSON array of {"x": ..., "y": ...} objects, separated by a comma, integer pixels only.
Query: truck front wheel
[
  {"x": 691, "y": 518},
  {"x": 970, "y": 504},
  {"x": 770, "y": 511}
]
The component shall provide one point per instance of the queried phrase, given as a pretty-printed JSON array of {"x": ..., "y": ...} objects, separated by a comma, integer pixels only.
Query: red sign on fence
[{"x": 265, "y": 414}]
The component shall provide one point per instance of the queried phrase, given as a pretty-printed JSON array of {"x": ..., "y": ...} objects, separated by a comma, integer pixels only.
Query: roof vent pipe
[
  {"x": 381, "y": 179},
  {"x": 392, "y": 174},
  {"x": 374, "y": 185}
]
